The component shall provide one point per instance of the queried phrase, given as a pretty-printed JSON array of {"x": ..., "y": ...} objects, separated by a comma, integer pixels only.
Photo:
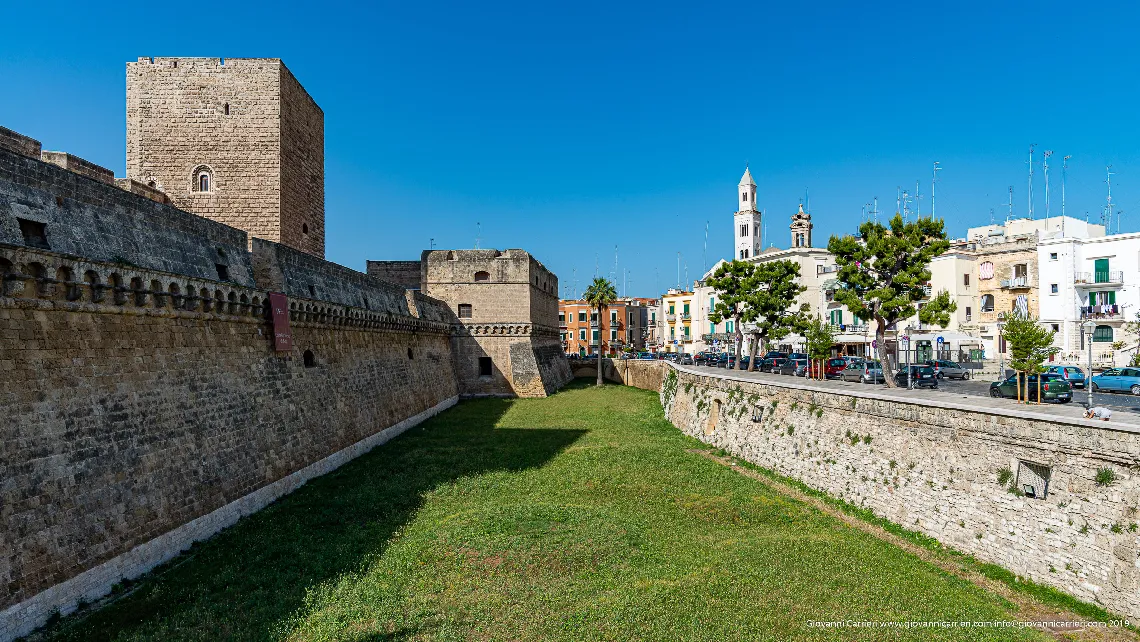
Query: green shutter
[
  {"x": 1100, "y": 267},
  {"x": 1092, "y": 298}
]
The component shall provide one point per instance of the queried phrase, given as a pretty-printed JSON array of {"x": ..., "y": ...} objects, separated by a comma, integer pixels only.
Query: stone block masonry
[
  {"x": 141, "y": 417},
  {"x": 945, "y": 469},
  {"x": 248, "y": 125},
  {"x": 505, "y": 307}
]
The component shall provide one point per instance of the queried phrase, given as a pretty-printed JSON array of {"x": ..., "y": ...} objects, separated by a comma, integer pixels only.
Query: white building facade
[{"x": 1091, "y": 279}]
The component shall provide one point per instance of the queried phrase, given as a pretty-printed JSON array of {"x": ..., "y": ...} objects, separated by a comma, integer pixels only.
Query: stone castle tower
[
  {"x": 801, "y": 228},
  {"x": 747, "y": 219},
  {"x": 236, "y": 140}
]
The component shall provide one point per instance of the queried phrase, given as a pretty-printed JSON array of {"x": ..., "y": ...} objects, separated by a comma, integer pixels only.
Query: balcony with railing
[
  {"x": 685, "y": 316},
  {"x": 718, "y": 336},
  {"x": 851, "y": 328},
  {"x": 826, "y": 269},
  {"x": 1099, "y": 279},
  {"x": 670, "y": 318},
  {"x": 1109, "y": 312},
  {"x": 1016, "y": 283}
]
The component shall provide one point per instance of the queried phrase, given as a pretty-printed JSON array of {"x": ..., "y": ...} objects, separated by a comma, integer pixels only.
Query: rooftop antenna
[
  {"x": 431, "y": 244},
  {"x": 863, "y": 216},
  {"x": 1048, "y": 153},
  {"x": 1010, "y": 216},
  {"x": 991, "y": 216},
  {"x": 933, "y": 183},
  {"x": 917, "y": 200},
  {"x": 875, "y": 211},
  {"x": 614, "y": 277},
  {"x": 1108, "y": 201},
  {"x": 595, "y": 265},
  {"x": 705, "y": 249},
  {"x": 1064, "y": 166},
  {"x": 905, "y": 206},
  {"x": 678, "y": 270},
  {"x": 1031, "y": 180},
  {"x": 574, "y": 291},
  {"x": 478, "y": 233}
]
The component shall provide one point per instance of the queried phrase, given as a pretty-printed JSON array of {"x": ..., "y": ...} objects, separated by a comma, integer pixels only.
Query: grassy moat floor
[{"x": 584, "y": 516}]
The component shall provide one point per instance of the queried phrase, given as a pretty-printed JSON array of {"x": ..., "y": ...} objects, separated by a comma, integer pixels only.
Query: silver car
[
  {"x": 863, "y": 371},
  {"x": 948, "y": 369}
]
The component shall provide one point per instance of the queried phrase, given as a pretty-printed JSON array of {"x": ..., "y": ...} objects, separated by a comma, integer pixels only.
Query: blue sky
[{"x": 569, "y": 128}]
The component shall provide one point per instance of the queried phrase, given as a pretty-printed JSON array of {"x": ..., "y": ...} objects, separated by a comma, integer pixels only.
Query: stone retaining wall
[{"x": 934, "y": 467}]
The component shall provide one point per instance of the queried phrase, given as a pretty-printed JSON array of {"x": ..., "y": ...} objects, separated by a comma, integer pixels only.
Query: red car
[{"x": 834, "y": 366}]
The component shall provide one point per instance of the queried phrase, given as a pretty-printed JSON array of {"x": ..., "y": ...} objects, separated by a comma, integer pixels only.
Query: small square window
[
  {"x": 484, "y": 366},
  {"x": 34, "y": 232},
  {"x": 1056, "y": 327},
  {"x": 1053, "y": 289},
  {"x": 1052, "y": 256},
  {"x": 464, "y": 310}
]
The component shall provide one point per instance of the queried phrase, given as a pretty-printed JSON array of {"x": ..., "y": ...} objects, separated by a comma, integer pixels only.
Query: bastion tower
[{"x": 236, "y": 140}]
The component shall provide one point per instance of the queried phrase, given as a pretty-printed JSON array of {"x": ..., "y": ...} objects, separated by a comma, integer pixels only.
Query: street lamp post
[
  {"x": 1088, "y": 327},
  {"x": 909, "y": 329},
  {"x": 1001, "y": 355}
]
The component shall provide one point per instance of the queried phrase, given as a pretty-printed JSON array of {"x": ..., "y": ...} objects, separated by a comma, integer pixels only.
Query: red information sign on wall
[{"x": 282, "y": 336}]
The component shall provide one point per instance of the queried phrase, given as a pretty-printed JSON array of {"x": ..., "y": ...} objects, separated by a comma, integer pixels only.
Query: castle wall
[
  {"x": 513, "y": 320},
  {"x": 145, "y": 406},
  {"x": 405, "y": 273},
  {"x": 933, "y": 466},
  {"x": 93, "y": 219}
]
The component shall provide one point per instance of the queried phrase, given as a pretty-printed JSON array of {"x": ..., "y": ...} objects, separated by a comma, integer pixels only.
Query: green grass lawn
[{"x": 577, "y": 517}]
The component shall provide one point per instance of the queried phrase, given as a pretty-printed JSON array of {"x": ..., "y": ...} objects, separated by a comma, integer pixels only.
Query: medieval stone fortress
[{"x": 176, "y": 353}]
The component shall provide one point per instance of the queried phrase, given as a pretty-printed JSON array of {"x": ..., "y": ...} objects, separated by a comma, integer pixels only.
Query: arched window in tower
[{"x": 202, "y": 179}]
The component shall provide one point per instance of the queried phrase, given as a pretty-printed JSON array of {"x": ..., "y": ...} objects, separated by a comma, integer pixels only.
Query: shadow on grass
[{"x": 249, "y": 581}]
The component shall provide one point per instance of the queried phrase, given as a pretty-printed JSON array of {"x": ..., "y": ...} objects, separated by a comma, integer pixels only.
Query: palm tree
[{"x": 600, "y": 295}]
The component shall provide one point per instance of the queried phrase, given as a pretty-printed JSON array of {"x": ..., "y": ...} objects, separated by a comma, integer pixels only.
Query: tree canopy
[
  {"x": 883, "y": 274},
  {"x": 735, "y": 284},
  {"x": 600, "y": 294}
]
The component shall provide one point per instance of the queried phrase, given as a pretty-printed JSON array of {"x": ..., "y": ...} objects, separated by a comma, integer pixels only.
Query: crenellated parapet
[{"x": 44, "y": 279}]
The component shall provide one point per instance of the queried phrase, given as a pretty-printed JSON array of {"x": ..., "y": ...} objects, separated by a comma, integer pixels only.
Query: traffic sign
[
  {"x": 874, "y": 343},
  {"x": 941, "y": 341}
]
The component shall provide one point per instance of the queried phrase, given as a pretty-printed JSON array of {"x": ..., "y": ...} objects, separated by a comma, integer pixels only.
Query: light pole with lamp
[
  {"x": 1001, "y": 354},
  {"x": 909, "y": 329},
  {"x": 1088, "y": 326}
]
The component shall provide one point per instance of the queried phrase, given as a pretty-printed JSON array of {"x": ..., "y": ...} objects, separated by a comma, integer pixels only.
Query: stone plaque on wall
[{"x": 282, "y": 336}]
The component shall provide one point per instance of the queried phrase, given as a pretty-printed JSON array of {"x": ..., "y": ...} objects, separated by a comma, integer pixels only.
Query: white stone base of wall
[{"x": 23, "y": 618}]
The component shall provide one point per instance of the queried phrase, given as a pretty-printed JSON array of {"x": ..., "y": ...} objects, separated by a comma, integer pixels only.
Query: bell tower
[
  {"x": 747, "y": 219},
  {"x": 801, "y": 228}
]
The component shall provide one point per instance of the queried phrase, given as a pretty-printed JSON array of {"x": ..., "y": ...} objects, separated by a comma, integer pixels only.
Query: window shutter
[{"x": 1112, "y": 297}]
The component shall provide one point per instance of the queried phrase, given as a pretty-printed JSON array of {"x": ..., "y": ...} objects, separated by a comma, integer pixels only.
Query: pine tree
[
  {"x": 734, "y": 283},
  {"x": 819, "y": 338},
  {"x": 1030, "y": 344},
  {"x": 883, "y": 271},
  {"x": 771, "y": 305}
]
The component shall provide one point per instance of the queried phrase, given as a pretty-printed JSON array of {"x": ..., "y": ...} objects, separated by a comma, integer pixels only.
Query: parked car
[
  {"x": 1118, "y": 380},
  {"x": 921, "y": 376},
  {"x": 775, "y": 354},
  {"x": 1074, "y": 375},
  {"x": 767, "y": 365},
  {"x": 834, "y": 366},
  {"x": 685, "y": 359},
  {"x": 798, "y": 355},
  {"x": 863, "y": 372},
  {"x": 1053, "y": 388},
  {"x": 794, "y": 367},
  {"x": 948, "y": 369}
]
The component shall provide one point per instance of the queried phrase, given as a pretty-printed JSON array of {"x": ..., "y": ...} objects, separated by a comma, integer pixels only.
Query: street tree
[
  {"x": 734, "y": 283},
  {"x": 600, "y": 295},
  {"x": 818, "y": 339},
  {"x": 1030, "y": 344},
  {"x": 883, "y": 274},
  {"x": 771, "y": 305}
]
